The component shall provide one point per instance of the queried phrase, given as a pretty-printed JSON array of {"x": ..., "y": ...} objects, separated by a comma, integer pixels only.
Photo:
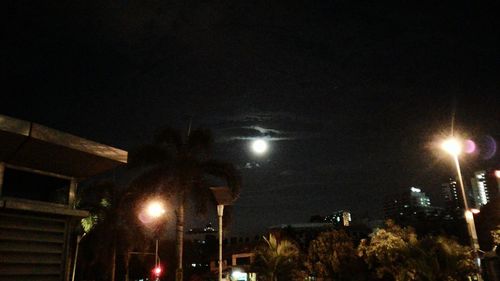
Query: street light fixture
[
  {"x": 149, "y": 215},
  {"x": 454, "y": 147},
  {"x": 154, "y": 210},
  {"x": 223, "y": 196}
]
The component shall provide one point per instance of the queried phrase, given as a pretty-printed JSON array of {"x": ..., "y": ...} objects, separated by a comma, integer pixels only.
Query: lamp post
[
  {"x": 150, "y": 214},
  {"x": 155, "y": 210},
  {"x": 453, "y": 147},
  {"x": 223, "y": 196}
]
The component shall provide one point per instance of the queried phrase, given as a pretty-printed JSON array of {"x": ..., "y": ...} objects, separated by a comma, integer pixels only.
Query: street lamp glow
[
  {"x": 259, "y": 146},
  {"x": 452, "y": 146},
  {"x": 155, "y": 209}
]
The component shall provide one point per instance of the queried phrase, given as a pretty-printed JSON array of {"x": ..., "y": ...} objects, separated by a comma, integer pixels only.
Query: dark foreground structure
[{"x": 40, "y": 169}]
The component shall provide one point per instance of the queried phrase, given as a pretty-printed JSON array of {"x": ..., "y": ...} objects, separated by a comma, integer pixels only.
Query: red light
[{"x": 157, "y": 270}]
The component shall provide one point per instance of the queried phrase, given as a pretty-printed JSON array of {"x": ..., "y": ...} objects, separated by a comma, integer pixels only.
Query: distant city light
[
  {"x": 414, "y": 189},
  {"x": 259, "y": 146}
]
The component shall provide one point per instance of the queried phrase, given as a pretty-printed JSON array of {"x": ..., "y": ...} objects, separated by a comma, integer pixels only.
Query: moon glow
[{"x": 259, "y": 146}]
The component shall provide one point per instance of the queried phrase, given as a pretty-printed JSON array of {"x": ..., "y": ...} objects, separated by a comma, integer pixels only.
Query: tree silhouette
[
  {"x": 180, "y": 165},
  {"x": 108, "y": 231},
  {"x": 332, "y": 256}
]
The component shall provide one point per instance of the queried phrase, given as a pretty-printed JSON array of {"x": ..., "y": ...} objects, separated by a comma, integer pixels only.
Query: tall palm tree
[{"x": 180, "y": 165}]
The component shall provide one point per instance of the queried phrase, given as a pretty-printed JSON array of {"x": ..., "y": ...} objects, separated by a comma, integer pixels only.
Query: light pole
[
  {"x": 223, "y": 196},
  {"x": 453, "y": 147},
  {"x": 155, "y": 210},
  {"x": 151, "y": 213}
]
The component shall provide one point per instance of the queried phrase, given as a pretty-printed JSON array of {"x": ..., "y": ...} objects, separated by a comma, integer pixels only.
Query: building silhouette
[{"x": 40, "y": 169}]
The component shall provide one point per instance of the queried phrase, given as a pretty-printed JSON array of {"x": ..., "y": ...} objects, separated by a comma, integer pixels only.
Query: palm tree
[
  {"x": 276, "y": 259},
  {"x": 180, "y": 165},
  {"x": 107, "y": 229}
]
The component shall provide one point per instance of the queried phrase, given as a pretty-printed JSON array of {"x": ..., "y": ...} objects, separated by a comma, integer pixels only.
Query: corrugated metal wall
[{"x": 31, "y": 247}]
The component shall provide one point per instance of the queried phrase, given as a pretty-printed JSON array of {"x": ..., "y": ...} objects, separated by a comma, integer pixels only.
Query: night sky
[{"x": 352, "y": 95}]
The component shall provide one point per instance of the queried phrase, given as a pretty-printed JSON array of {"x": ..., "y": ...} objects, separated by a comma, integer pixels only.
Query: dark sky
[{"x": 351, "y": 94}]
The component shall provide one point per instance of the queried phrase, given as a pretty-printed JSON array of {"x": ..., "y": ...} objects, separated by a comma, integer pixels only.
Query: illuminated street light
[
  {"x": 454, "y": 147},
  {"x": 223, "y": 197},
  {"x": 155, "y": 209}
]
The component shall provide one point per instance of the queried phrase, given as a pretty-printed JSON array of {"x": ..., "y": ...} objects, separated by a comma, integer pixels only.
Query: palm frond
[
  {"x": 225, "y": 171},
  {"x": 200, "y": 143},
  {"x": 201, "y": 196},
  {"x": 148, "y": 155},
  {"x": 89, "y": 196},
  {"x": 169, "y": 138}
]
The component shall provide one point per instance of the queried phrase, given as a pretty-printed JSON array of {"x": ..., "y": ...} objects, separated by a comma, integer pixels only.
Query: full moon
[{"x": 259, "y": 146}]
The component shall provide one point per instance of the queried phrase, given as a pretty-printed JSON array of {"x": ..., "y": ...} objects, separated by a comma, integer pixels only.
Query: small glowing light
[
  {"x": 155, "y": 209},
  {"x": 259, "y": 146},
  {"x": 414, "y": 189},
  {"x": 475, "y": 211},
  {"x": 452, "y": 146},
  {"x": 157, "y": 270},
  {"x": 238, "y": 275},
  {"x": 497, "y": 174}
]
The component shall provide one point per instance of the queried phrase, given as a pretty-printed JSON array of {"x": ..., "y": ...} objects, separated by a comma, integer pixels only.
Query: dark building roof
[{"x": 34, "y": 146}]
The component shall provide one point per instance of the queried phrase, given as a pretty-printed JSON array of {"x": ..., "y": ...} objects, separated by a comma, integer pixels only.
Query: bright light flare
[
  {"x": 452, "y": 146},
  {"x": 469, "y": 147},
  {"x": 497, "y": 174},
  {"x": 155, "y": 209},
  {"x": 475, "y": 211},
  {"x": 259, "y": 146}
]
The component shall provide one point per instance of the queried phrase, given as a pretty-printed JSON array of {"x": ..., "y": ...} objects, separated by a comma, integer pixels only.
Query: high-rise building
[
  {"x": 408, "y": 205},
  {"x": 485, "y": 187},
  {"x": 451, "y": 194},
  {"x": 480, "y": 189}
]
